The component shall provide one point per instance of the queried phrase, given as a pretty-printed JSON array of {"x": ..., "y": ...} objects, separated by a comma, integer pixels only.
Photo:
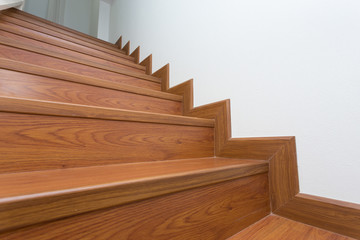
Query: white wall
[
  {"x": 289, "y": 67},
  {"x": 37, "y": 7},
  {"x": 104, "y": 20}
]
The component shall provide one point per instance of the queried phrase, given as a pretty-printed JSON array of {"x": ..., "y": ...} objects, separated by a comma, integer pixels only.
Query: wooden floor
[{"x": 278, "y": 228}]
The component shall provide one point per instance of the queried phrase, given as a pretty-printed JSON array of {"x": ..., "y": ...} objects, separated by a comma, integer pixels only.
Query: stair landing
[{"x": 278, "y": 228}]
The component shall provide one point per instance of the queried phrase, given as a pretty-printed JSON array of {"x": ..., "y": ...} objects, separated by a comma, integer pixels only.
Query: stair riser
[
  {"x": 57, "y": 45},
  {"x": 22, "y": 21},
  {"x": 16, "y": 84},
  {"x": 35, "y": 142},
  {"x": 212, "y": 212},
  {"x": 46, "y": 61}
]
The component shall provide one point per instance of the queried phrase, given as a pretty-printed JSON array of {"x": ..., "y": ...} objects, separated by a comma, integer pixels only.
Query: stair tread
[
  {"x": 55, "y": 181},
  {"x": 31, "y": 106},
  {"x": 32, "y": 197}
]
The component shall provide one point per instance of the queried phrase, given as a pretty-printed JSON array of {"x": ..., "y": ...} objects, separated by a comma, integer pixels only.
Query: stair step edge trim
[
  {"x": 25, "y": 47},
  {"x": 76, "y": 78},
  {"x": 73, "y": 202},
  {"x": 27, "y": 106}
]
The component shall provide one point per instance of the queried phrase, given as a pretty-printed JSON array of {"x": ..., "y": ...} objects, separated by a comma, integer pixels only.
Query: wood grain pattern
[
  {"x": 57, "y": 27},
  {"x": 77, "y": 66},
  {"x": 147, "y": 62},
  {"x": 36, "y": 142},
  {"x": 163, "y": 74},
  {"x": 35, "y": 38},
  {"x": 118, "y": 43},
  {"x": 21, "y": 85},
  {"x": 76, "y": 78},
  {"x": 332, "y": 215},
  {"x": 217, "y": 217},
  {"x": 28, "y": 23},
  {"x": 136, "y": 55},
  {"x": 113, "y": 185},
  {"x": 20, "y": 105},
  {"x": 277, "y": 228}
]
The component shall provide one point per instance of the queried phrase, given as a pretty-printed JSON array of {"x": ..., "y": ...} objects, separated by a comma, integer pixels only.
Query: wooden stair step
[
  {"x": 45, "y": 41},
  {"x": 274, "y": 227},
  {"x": 39, "y": 135},
  {"x": 25, "y": 21},
  {"x": 29, "y": 54},
  {"x": 25, "y": 197},
  {"x": 58, "y": 86}
]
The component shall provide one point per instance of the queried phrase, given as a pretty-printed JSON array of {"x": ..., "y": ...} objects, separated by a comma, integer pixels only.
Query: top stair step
[
  {"x": 25, "y": 197},
  {"x": 59, "y": 28}
]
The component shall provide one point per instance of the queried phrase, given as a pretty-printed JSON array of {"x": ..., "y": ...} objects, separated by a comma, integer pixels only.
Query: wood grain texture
[
  {"x": 136, "y": 55},
  {"x": 24, "y": 21},
  {"x": 277, "y": 228},
  {"x": 211, "y": 212},
  {"x": 163, "y": 74},
  {"x": 113, "y": 185},
  {"x": 332, "y": 215},
  {"x": 64, "y": 30},
  {"x": 126, "y": 48},
  {"x": 77, "y": 66},
  {"x": 20, "y": 105},
  {"x": 76, "y": 78},
  {"x": 21, "y": 85},
  {"x": 37, "y": 142},
  {"x": 147, "y": 62},
  {"x": 35, "y": 38}
]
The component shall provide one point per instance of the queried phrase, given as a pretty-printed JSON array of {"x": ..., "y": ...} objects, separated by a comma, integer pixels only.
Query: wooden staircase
[{"x": 96, "y": 146}]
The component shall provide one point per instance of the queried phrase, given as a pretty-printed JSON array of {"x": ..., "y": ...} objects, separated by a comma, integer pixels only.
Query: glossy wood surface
[
  {"x": 50, "y": 142},
  {"x": 77, "y": 66},
  {"x": 174, "y": 216},
  {"x": 35, "y": 38},
  {"x": 61, "y": 28},
  {"x": 21, "y": 85},
  {"x": 336, "y": 216},
  {"x": 76, "y": 78},
  {"x": 27, "y": 22},
  {"x": 163, "y": 74},
  {"x": 147, "y": 62},
  {"x": 277, "y": 228}
]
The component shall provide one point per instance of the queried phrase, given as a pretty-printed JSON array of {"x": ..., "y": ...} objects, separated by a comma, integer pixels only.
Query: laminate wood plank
[
  {"x": 22, "y": 34},
  {"x": 277, "y": 228},
  {"x": 21, "y": 85},
  {"x": 76, "y": 66},
  {"x": 118, "y": 43},
  {"x": 210, "y": 212},
  {"x": 126, "y": 48},
  {"x": 28, "y": 23},
  {"x": 147, "y": 62},
  {"x": 136, "y": 55},
  {"x": 76, "y": 78},
  {"x": 21, "y": 105},
  {"x": 58, "y": 26},
  {"x": 332, "y": 215},
  {"x": 163, "y": 74},
  {"x": 37, "y": 142}
]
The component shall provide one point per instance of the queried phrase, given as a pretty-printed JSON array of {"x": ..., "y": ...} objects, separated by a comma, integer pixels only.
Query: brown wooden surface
[
  {"x": 76, "y": 78},
  {"x": 78, "y": 66},
  {"x": 118, "y": 43},
  {"x": 21, "y": 85},
  {"x": 126, "y": 48},
  {"x": 163, "y": 74},
  {"x": 333, "y": 215},
  {"x": 277, "y": 228},
  {"x": 211, "y": 212},
  {"x": 37, "y": 26},
  {"x": 35, "y": 38},
  {"x": 37, "y": 142},
  {"x": 147, "y": 62},
  {"x": 136, "y": 55},
  {"x": 64, "y": 30}
]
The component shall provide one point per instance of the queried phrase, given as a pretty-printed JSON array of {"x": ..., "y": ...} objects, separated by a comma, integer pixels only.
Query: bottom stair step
[
  {"x": 33, "y": 197},
  {"x": 278, "y": 228}
]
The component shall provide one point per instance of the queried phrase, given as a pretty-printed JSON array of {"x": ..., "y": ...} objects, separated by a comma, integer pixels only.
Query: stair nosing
[
  {"x": 116, "y": 193},
  {"x": 11, "y": 29},
  {"x": 41, "y": 107},
  {"x": 49, "y": 53},
  {"x": 28, "y": 68}
]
